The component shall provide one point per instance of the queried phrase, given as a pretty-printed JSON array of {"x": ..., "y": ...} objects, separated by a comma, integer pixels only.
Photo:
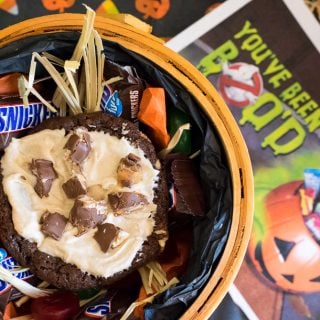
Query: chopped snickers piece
[
  {"x": 105, "y": 234},
  {"x": 53, "y": 224},
  {"x": 122, "y": 202},
  {"x": 79, "y": 144},
  {"x": 96, "y": 192},
  {"x": 45, "y": 174},
  {"x": 74, "y": 187},
  {"x": 87, "y": 213},
  {"x": 129, "y": 170},
  {"x": 119, "y": 239},
  {"x": 108, "y": 235}
]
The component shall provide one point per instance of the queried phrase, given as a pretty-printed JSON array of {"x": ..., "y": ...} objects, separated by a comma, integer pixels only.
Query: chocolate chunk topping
[
  {"x": 45, "y": 173},
  {"x": 105, "y": 234},
  {"x": 122, "y": 202},
  {"x": 87, "y": 213},
  {"x": 132, "y": 159},
  {"x": 74, "y": 187},
  {"x": 79, "y": 144},
  {"x": 129, "y": 170},
  {"x": 53, "y": 224}
]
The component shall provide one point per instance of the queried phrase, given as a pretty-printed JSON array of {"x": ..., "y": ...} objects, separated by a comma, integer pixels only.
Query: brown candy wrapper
[{"x": 122, "y": 92}]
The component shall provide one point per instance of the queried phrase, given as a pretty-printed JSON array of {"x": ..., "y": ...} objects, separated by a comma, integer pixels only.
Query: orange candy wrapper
[
  {"x": 152, "y": 113},
  {"x": 9, "y": 84},
  {"x": 9, "y": 312}
]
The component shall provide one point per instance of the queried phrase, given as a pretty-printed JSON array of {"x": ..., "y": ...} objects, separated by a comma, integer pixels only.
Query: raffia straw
[
  {"x": 174, "y": 140},
  {"x": 58, "y": 97},
  {"x": 23, "y": 286},
  {"x": 55, "y": 60},
  {"x": 144, "y": 274},
  {"x": 63, "y": 87},
  {"x": 112, "y": 80},
  {"x": 25, "y": 299},
  {"x": 92, "y": 80},
  {"x": 131, "y": 308},
  {"x": 70, "y": 68},
  {"x": 26, "y": 317},
  {"x": 85, "y": 301},
  {"x": 100, "y": 62},
  {"x": 23, "y": 84},
  {"x": 153, "y": 277}
]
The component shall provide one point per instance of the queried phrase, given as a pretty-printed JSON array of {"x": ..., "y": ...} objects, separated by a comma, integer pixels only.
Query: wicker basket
[{"x": 134, "y": 35}]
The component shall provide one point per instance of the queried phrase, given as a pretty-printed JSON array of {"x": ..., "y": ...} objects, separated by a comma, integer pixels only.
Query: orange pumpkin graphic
[
  {"x": 288, "y": 255},
  {"x": 155, "y": 9},
  {"x": 60, "y": 5}
]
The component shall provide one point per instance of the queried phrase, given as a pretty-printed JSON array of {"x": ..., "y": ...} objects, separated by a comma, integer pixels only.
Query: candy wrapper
[
  {"x": 176, "y": 120},
  {"x": 9, "y": 84},
  {"x": 122, "y": 92},
  {"x": 209, "y": 233},
  {"x": 10, "y": 296},
  {"x": 312, "y": 180},
  {"x": 152, "y": 114},
  {"x": 15, "y": 118},
  {"x": 310, "y": 201}
]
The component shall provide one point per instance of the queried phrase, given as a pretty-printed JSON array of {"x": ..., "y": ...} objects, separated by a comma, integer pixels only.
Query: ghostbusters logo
[{"x": 240, "y": 84}]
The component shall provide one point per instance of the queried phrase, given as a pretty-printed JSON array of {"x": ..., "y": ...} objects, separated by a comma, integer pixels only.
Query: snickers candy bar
[
  {"x": 122, "y": 97},
  {"x": 45, "y": 174},
  {"x": 24, "y": 118},
  {"x": 87, "y": 213},
  {"x": 129, "y": 170},
  {"x": 109, "y": 305},
  {"x": 124, "y": 202},
  {"x": 53, "y": 224},
  {"x": 79, "y": 145}
]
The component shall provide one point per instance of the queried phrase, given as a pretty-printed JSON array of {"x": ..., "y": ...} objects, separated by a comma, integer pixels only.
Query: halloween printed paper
[
  {"x": 9, "y": 6},
  {"x": 167, "y": 17},
  {"x": 263, "y": 56}
]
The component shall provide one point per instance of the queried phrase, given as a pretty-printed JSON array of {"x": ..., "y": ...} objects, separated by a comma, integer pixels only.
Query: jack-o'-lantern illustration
[
  {"x": 155, "y": 9},
  {"x": 288, "y": 255},
  {"x": 60, "y": 5}
]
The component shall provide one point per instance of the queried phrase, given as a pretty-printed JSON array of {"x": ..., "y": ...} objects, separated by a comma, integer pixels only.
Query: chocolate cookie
[{"x": 54, "y": 269}]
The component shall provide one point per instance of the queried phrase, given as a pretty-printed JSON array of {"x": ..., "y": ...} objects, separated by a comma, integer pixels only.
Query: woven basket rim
[{"x": 151, "y": 47}]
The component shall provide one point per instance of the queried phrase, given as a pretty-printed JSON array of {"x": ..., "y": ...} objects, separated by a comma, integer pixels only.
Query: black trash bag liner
[{"x": 210, "y": 233}]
